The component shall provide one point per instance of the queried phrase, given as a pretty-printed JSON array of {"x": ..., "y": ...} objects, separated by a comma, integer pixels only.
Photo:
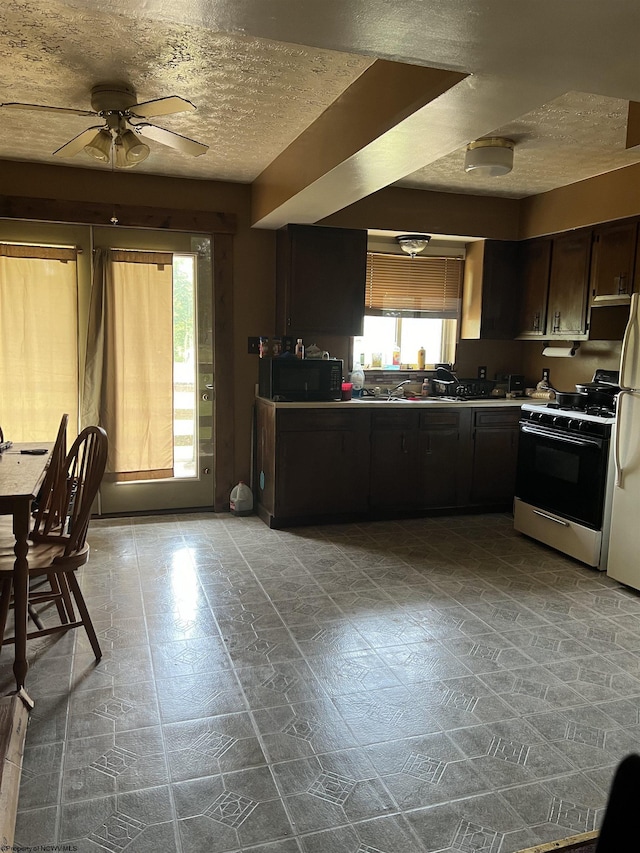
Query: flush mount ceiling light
[
  {"x": 489, "y": 157},
  {"x": 413, "y": 244}
]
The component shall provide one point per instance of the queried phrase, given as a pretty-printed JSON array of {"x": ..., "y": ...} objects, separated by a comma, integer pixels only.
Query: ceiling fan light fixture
[
  {"x": 135, "y": 150},
  {"x": 100, "y": 146},
  {"x": 413, "y": 244},
  {"x": 490, "y": 157}
]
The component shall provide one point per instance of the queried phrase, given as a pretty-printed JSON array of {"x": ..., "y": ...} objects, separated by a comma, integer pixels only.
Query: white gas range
[{"x": 565, "y": 479}]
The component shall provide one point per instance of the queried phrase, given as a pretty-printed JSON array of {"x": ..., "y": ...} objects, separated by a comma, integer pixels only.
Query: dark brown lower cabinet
[
  {"x": 440, "y": 457},
  {"x": 317, "y": 465},
  {"x": 311, "y": 464},
  {"x": 396, "y": 482},
  {"x": 495, "y": 452}
]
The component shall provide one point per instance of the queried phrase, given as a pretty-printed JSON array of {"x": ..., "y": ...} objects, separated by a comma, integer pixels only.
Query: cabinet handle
[
  {"x": 622, "y": 283},
  {"x": 536, "y": 322},
  {"x": 556, "y": 322},
  {"x": 403, "y": 444},
  {"x": 428, "y": 450}
]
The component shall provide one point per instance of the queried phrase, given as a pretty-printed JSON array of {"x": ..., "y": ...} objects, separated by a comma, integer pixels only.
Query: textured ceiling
[
  {"x": 253, "y": 96},
  {"x": 574, "y": 137},
  {"x": 555, "y": 77}
]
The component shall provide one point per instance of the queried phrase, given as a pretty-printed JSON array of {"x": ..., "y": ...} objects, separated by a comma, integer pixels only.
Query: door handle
[{"x": 551, "y": 518}]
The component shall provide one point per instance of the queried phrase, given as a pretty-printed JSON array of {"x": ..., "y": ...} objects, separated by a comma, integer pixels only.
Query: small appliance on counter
[{"x": 293, "y": 380}]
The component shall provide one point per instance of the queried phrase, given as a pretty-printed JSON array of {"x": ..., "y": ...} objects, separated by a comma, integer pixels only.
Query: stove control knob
[{"x": 571, "y": 424}]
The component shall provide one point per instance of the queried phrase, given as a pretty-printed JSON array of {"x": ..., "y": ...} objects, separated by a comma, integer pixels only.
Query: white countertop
[{"x": 421, "y": 402}]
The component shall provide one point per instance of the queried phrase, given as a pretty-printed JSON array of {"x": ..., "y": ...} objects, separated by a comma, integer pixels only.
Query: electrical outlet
[
  {"x": 482, "y": 372},
  {"x": 253, "y": 346},
  {"x": 546, "y": 372}
]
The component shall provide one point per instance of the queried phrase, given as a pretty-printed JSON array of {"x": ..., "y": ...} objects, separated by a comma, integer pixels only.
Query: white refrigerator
[{"x": 623, "y": 561}]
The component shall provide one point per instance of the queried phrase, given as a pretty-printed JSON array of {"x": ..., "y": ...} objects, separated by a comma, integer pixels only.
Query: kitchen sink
[{"x": 393, "y": 400}]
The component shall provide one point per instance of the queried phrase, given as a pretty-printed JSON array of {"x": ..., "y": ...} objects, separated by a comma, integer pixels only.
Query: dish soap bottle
[
  {"x": 299, "y": 350},
  {"x": 396, "y": 356},
  {"x": 422, "y": 355}
]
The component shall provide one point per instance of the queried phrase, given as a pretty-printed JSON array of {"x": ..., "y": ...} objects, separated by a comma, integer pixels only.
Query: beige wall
[
  {"x": 614, "y": 195},
  {"x": 399, "y": 209}
]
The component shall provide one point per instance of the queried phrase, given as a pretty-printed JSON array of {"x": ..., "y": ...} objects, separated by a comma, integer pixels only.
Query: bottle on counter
[
  {"x": 356, "y": 377},
  {"x": 299, "y": 350},
  {"x": 395, "y": 356},
  {"x": 422, "y": 356},
  {"x": 426, "y": 388}
]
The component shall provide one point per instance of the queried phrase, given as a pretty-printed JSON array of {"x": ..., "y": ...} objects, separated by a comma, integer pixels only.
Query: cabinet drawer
[
  {"x": 394, "y": 419},
  {"x": 443, "y": 418},
  {"x": 307, "y": 420},
  {"x": 496, "y": 417}
]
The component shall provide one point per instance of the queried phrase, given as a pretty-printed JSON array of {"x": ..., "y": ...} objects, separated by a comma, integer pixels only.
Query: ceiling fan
[{"x": 116, "y": 105}]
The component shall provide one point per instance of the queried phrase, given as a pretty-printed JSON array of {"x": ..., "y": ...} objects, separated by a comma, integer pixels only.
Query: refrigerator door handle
[
  {"x": 617, "y": 456},
  {"x": 630, "y": 340}
]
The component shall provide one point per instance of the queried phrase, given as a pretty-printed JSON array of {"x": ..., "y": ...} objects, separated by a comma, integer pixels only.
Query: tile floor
[{"x": 427, "y": 685}]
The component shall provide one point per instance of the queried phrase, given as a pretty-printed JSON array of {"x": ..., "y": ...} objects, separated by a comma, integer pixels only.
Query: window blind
[{"x": 427, "y": 287}]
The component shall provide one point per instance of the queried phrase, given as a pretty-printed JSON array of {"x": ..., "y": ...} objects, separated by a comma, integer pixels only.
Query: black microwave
[{"x": 291, "y": 379}]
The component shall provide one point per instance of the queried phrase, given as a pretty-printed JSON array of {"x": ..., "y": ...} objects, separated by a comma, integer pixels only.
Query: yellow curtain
[
  {"x": 38, "y": 341},
  {"x": 128, "y": 385}
]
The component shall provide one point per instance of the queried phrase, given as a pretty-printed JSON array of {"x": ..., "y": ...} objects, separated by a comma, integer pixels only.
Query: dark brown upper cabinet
[
  {"x": 534, "y": 267},
  {"x": 490, "y": 290},
  {"x": 320, "y": 280},
  {"x": 612, "y": 262},
  {"x": 568, "y": 286}
]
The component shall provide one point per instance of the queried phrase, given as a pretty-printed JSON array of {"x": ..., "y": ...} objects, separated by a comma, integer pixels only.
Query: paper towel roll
[{"x": 559, "y": 352}]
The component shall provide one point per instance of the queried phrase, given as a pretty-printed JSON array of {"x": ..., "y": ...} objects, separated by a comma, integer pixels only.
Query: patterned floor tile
[{"x": 422, "y": 685}]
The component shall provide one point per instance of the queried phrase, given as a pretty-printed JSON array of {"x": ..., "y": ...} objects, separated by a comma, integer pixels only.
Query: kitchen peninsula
[{"x": 371, "y": 459}]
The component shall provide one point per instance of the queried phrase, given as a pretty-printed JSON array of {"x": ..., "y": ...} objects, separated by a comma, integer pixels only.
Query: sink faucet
[{"x": 397, "y": 387}]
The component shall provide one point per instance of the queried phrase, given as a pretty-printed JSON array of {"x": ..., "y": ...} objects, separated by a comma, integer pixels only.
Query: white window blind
[{"x": 425, "y": 287}]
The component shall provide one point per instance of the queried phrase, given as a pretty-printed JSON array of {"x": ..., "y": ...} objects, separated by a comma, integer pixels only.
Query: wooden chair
[
  {"x": 63, "y": 548},
  {"x": 45, "y": 514}
]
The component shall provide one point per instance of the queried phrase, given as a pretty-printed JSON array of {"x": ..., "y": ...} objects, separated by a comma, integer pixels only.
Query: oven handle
[
  {"x": 551, "y": 518},
  {"x": 557, "y": 436}
]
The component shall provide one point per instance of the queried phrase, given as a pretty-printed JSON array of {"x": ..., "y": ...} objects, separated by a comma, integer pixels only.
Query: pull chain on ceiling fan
[{"x": 116, "y": 105}]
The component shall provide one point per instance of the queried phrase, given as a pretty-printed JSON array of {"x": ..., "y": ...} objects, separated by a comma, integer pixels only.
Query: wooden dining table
[{"x": 21, "y": 474}]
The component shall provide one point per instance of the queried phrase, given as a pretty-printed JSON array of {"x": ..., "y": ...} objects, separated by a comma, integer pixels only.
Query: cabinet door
[
  {"x": 395, "y": 461},
  {"x": 321, "y": 473},
  {"x": 495, "y": 455},
  {"x": 489, "y": 290},
  {"x": 568, "y": 285},
  {"x": 321, "y": 462},
  {"x": 440, "y": 459},
  {"x": 321, "y": 274},
  {"x": 612, "y": 263},
  {"x": 533, "y": 271}
]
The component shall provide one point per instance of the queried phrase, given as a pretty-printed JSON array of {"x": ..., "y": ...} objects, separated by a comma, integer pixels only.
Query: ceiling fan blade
[
  {"x": 41, "y": 108},
  {"x": 171, "y": 139},
  {"x": 78, "y": 142},
  {"x": 161, "y": 107}
]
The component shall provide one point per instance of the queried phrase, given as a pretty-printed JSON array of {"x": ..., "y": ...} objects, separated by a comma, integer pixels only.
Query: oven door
[{"x": 562, "y": 473}]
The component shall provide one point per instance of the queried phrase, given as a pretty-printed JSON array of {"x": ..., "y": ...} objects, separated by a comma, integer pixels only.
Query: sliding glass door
[
  {"x": 156, "y": 369},
  {"x": 114, "y": 327}
]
